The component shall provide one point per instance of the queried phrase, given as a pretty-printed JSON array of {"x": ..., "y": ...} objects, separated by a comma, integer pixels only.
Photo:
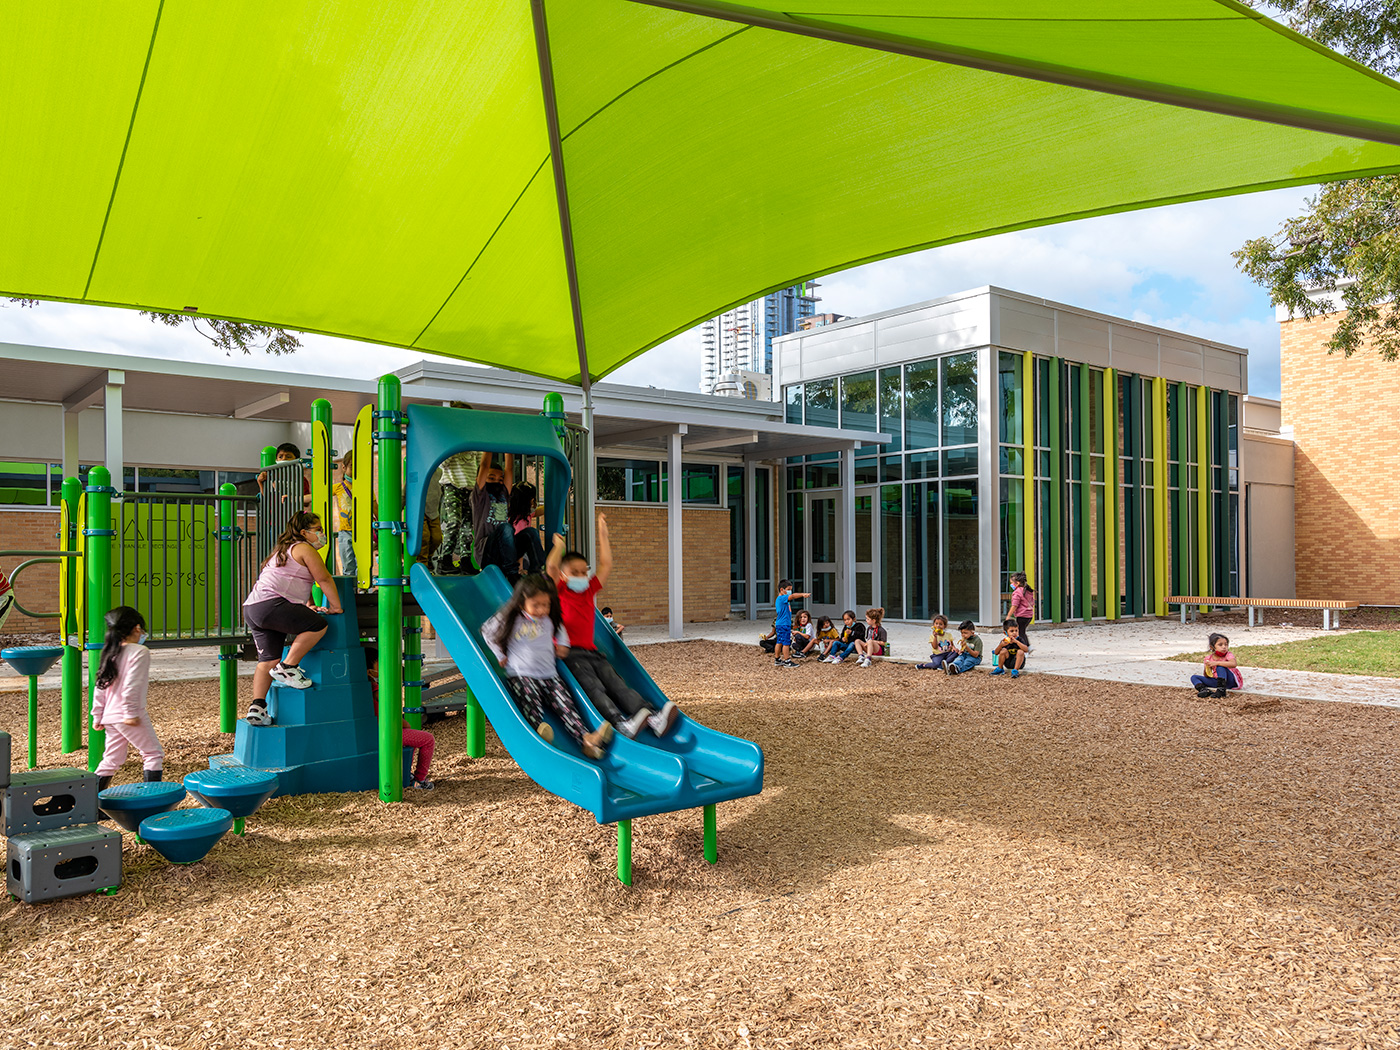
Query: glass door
[
  {"x": 867, "y": 551},
  {"x": 822, "y": 555}
]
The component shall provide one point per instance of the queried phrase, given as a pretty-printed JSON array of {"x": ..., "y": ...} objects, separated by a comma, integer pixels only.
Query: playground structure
[{"x": 187, "y": 562}]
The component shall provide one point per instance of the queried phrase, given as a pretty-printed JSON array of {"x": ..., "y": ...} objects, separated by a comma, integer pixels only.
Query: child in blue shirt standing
[{"x": 782, "y": 652}]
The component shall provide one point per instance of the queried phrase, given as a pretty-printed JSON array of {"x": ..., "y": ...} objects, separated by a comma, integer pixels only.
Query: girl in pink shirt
[
  {"x": 1022, "y": 605},
  {"x": 119, "y": 700}
]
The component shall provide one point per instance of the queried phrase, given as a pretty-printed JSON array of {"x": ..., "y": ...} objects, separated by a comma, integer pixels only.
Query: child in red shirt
[
  {"x": 578, "y": 588},
  {"x": 419, "y": 739}
]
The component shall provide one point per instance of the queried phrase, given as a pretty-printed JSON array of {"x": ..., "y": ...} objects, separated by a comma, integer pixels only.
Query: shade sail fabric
[{"x": 388, "y": 172}]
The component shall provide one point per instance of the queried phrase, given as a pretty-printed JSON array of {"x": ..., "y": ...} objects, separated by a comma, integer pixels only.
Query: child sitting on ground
[
  {"x": 850, "y": 633},
  {"x": 769, "y": 642},
  {"x": 941, "y": 644},
  {"x": 420, "y": 740},
  {"x": 526, "y": 635},
  {"x": 804, "y": 636},
  {"x": 874, "y": 643},
  {"x": 615, "y": 700},
  {"x": 617, "y": 627},
  {"x": 1010, "y": 652},
  {"x": 826, "y": 636},
  {"x": 119, "y": 699},
  {"x": 1222, "y": 672},
  {"x": 969, "y": 650}
]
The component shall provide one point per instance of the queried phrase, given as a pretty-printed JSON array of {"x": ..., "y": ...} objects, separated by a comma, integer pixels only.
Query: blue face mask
[
  {"x": 577, "y": 584},
  {"x": 141, "y": 638}
]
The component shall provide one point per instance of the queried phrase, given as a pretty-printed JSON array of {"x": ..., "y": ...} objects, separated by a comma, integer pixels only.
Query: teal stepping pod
[
  {"x": 238, "y": 791},
  {"x": 186, "y": 836},
  {"x": 126, "y": 805},
  {"x": 32, "y": 660}
]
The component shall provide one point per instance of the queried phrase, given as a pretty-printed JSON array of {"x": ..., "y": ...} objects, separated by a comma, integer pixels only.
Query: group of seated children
[
  {"x": 551, "y": 616},
  {"x": 789, "y": 642},
  {"x": 956, "y": 655}
]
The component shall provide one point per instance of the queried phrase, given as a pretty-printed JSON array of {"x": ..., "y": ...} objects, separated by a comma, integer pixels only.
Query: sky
[{"x": 1168, "y": 266}]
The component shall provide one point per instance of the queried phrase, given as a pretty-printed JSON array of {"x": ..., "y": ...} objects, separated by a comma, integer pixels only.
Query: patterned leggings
[
  {"x": 532, "y": 695},
  {"x": 454, "y": 553}
]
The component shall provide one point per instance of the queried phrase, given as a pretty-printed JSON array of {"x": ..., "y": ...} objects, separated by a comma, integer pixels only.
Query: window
[
  {"x": 24, "y": 484},
  {"x": 960, "y": 400},
  {"x": 891, "y": 389},
  {"x": 858, "y": 402},
  {"x": 821, "y": 403},
  {"x": 793, "y": 397},
  {"x": 630, "y": 480},
  {"x": 699, "y": 483},
  {"x": 921, "y": 405}
]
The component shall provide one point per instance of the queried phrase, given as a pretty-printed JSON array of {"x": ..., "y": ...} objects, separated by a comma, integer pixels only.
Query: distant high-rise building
[{"x": 741, "y": 340}]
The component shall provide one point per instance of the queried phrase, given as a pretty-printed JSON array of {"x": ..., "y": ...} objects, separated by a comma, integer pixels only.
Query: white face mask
[
  {"x": 608, "y": 618},
  {"x": 317, "y": 539},
  {"x": 577, "y": 584}
]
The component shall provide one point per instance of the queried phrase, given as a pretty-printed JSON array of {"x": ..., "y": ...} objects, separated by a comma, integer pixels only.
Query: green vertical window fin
[
  {"x": 1087, "y": 547},
  {"x": 1204, "y": 547},
  {"x": 1055, "y": 552},
  {"x": 1028, "y": 431},
  {"x": 1110, "y": 586},
  {"x": 1161, "y": 515}
]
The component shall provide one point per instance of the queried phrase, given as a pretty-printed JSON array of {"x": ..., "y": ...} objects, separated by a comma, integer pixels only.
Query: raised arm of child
[
  {"x": 556, "y": 557},
  {"x": 605, "y": 558}
]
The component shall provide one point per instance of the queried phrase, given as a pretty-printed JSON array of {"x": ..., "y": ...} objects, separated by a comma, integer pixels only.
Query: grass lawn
[{"x": 1363, "y": 652}]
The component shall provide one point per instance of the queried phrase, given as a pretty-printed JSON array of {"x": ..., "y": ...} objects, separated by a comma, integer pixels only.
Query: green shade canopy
[{"x": 532, "y": 184}]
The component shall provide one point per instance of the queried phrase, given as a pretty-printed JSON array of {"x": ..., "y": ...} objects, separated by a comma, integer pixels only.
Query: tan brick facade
[
  {"x": 38, "y": 586},
  {"x": 1345, "y": 414},
  {"x": 637, "y": 589}
]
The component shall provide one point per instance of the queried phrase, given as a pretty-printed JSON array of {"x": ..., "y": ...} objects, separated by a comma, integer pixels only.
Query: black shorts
[{"x": 271, "y": 621}]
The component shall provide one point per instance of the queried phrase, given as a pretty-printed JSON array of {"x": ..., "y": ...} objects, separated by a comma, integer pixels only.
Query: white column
[
  {"x": 70, "y": 442},
  {"x": 846, "y": 533},
  {"x": 750, "y": 541},
  {"x": 988, "y": 490},
  {"x": 588, "y": 466},
  {"x": 112, "y": 426},
  {"x": 675, "y": 560}
]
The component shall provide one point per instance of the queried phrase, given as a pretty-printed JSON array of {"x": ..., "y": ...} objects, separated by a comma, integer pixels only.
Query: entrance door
[
  {"x": 867, "y": 558},
  {"x": 823, "y": 553}
]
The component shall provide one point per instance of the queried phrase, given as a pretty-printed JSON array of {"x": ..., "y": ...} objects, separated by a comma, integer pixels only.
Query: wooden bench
[{"x": 1329, "y": 621}]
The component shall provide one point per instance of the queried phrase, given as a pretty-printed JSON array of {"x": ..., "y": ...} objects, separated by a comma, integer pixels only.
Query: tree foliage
[
  {"x": 1343, "y": 253},
  {"x": 228, "y": 336}
]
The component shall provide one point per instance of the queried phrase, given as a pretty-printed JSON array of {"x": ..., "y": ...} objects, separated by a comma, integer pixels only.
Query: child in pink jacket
[{"x": 119, "y": 701}]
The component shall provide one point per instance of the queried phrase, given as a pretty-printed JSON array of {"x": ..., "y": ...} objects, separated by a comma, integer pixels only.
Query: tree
[
  {"x": 228, "y": 336},
  {"x": 1343, "y": 253}
]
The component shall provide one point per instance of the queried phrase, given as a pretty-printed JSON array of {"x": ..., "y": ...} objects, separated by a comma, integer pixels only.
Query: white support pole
[
  {"x": 750, "y": 539},
  {"x": 846, "y": 569},
  {"x": 70, "y": 442},
  {"x": 675, "y": 559},
  {"x": 112, "y": 427},
  {"x": 589, "y": 482}
]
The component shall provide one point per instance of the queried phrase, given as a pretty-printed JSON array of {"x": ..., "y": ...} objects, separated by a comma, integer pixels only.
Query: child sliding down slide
[{"x": 578, "y": 588}]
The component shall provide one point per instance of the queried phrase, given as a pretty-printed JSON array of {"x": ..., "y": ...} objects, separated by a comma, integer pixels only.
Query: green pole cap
[{"x": 553, "y": 406}]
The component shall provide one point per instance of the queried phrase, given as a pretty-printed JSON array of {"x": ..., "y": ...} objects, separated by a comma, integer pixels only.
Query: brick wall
[
  {"x": 38, "y": 586},
  {"x": 1345, "y": 414},
  {"x": 637, "y": 589}
]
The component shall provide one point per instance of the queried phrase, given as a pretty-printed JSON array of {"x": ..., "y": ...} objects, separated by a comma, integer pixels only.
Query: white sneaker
[
  {"x": 257, "y": 715},
  {"x": 293, "y": 677},
  {"x": 661, "y": 722},
  {"x": 865, "y": 661},
  {"x": 633, "y": 725}
]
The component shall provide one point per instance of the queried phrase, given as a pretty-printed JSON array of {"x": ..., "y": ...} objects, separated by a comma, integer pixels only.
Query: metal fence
[
  {"x": 165, "y": 562},
  {"x": 283, "y": 494}
]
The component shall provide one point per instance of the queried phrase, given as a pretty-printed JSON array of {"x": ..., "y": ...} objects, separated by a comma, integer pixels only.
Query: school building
[{"x": 913, "y": 460}]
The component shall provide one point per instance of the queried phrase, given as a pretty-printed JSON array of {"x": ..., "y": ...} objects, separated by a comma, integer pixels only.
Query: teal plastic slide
[{"x": 691, "y": 766}]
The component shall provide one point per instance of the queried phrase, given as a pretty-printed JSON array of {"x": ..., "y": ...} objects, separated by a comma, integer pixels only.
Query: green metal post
[
  {"x": 238, "y": 825},
  {"x": 389, "y": 443},
  {"x": 1086, "y": 498},
  {"x": 1109, "y": 585},
  {"x": 99, "y": 533},
  {"x": 1181, "y": 419},
  {"x": 228, "y": 614},
  {"x": 624, "y": 852},
  {"x": 413, "y": 667},
  {"x": 711, "y": 835},
  {"x": 269, "y": 455},
  {"x": 321, "y": 483},
  {"x": 33, "y": 721},
  {"x": 71, "y": 689},
  {"x": 1055, "y": 554}
]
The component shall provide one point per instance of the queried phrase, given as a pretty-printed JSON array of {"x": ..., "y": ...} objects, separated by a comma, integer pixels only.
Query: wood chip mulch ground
[{"x": 1048, "y": 862}]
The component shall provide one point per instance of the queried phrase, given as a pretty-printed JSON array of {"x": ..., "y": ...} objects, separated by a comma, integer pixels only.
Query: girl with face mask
[
  {"x": 279, "y": 606},
  {"x": 119, "y": 699}
]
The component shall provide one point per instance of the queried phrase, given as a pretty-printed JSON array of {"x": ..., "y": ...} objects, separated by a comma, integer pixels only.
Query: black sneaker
[
  {"x": 1219, "y": 694},
  {"x": 1205, "y": 694}
]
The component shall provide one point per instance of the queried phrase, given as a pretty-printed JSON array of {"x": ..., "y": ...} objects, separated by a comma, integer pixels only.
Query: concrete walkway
[{"x": 1134, "y": 652}]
